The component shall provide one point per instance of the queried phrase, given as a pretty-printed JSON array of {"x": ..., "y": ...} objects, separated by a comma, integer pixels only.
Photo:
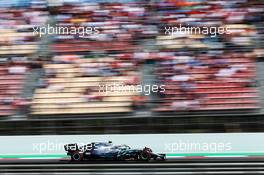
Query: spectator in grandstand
[
  {"x": 180, "y": 77},
  {"x": 55, "y": 87},
  {"x": 8, "y": 100},
  {"x": 90, "y": 71},
  {"x": 186, "y": 105},
  {"x": 89, "y": 95},
  {"x": 231, "y": 70},
  {"x": 17, "y": 69},
  {"x": 109, "y": 70},
  {"x": 42, "y": 83}
]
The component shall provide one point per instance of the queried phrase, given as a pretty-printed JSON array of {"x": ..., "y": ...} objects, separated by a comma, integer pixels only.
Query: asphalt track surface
[{"x": 172, "y": 166}]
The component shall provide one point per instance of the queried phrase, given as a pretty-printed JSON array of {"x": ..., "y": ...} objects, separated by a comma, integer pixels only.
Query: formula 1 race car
[{"x": 108, "y": 151}]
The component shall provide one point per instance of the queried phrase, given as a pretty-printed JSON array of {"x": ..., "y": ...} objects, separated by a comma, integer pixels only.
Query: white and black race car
[{"x": 108, "y": 151}]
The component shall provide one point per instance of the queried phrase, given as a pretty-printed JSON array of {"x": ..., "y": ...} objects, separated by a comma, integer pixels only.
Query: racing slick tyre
[
  {"x": 76, "y": 156},
  {"x": 144, "y": 156}
]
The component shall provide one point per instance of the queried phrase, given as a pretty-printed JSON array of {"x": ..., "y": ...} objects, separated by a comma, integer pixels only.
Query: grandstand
[
  {"x": 73, "y": 87},
  {"x": 71, "y": 91},
  {"x": 17, "y": 45},
  {"x": 197, "y": 84},
  {"x": 202, "y": 75},
  {"x": 12, "y": 77}
]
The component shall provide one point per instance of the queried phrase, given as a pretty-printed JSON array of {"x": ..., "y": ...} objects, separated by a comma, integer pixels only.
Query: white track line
[
  {"x": 146, "y": 169},
  {"x": 132, "y": 164},
  {"x": 138, "y": 173}
]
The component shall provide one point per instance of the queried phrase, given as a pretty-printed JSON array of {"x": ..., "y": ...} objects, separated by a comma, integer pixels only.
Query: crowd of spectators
[
  {"x": 199, "y": 71},
  {"x": 17, "y": 45},
  {"x": 205, "y": 72},
  {"x": 103, "y": 56}
]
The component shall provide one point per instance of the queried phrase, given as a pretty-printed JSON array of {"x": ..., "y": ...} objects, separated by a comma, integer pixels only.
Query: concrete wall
[{"x": 232, "y": 143}]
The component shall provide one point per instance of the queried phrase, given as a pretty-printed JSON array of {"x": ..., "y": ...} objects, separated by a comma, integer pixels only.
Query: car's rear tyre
[{"x": 77, "y": 157}]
